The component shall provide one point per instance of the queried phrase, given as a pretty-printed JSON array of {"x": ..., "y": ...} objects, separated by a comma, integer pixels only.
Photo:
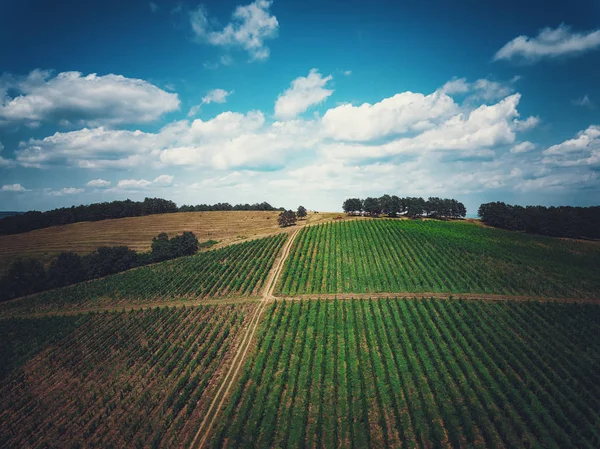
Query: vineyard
[
  {"x": 432, "y": 256},
  {"x": 236, "y": 270},
  {"x": 124, "y": 379},
  {"x": 419, "y": 373}
]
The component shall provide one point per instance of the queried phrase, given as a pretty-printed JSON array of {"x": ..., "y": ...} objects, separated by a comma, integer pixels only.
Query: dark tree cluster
[
  {"x": 561, "y": 221},
  {"x": 264, "y": 206},
  {"x": 93, "y": 212},
  {"x": 164, "y": 248},
  {"x": 287, "y": 218},
  {"x": 27, "y": 276},
  {"x": 302, "y": 212},
  {"x": 394, "y": 206}
]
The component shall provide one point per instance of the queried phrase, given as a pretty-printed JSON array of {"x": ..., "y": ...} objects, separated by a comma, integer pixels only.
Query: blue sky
[{"x": 299, "y": 102}]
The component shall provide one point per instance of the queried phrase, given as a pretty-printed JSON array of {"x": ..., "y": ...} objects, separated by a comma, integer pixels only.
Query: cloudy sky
[{"x": 299, "y": 102}]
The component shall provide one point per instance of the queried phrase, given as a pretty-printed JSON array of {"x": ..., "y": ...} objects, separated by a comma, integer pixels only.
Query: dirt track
[{"x": 238, "y": 361}]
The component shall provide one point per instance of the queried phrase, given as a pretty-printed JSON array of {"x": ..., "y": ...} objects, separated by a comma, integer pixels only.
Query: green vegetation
[
  {"x": 23, "y": 338},
  {"x": 235, "y": 270},
  {"x": 121, "y": 380},
  {"x": 367, "y": 256},
  {"x": 419, "y": 373}
]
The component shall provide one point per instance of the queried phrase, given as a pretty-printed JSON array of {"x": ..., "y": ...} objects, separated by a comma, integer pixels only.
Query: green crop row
[
  {"x": 419, "y": 373},
  {"x": 369, "y": 256},
  {"x": 235, "y": 270},
  {"x": 118, "y": 379}
]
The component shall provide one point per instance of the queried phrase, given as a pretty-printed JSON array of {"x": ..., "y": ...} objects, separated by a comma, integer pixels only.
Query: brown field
[{"x": 137, "y": 232}]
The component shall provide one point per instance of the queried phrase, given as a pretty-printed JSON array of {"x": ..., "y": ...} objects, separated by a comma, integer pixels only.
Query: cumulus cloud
[
  {"x": 584, "y": 102},
  {"x": 65, "y": 191},
  {"x": 527, "y": 124},
  {"x": 583, "y": 150},
  {"x": 549, "y": 43},
  {"x": 13, "y": 188},
  {"x": 98, "y": 183},
  {"x": 72, "y": 98},
  {"x": 250, "y": 26},
  {"x": 141, "y": 184},
  {"x": 480, "y": 90},
  {"x": 303, "y": 93},
  {"x": 401, "y": 113},
  {"x": 406, "y": 123},
  {"x": 213, "y": 96},
  {"x": 347, "y": 72},
  {"x": 522, "y": 147}
]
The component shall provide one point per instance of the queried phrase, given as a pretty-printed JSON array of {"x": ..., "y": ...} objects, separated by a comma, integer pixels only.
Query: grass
[
  {"x": 419, "y": 373},
  {"x": 368, "y": 256},
  {"x": 120, "y": 379},
  {"x": 137, "y": 232},
  {"x": 236, "y": 270}
]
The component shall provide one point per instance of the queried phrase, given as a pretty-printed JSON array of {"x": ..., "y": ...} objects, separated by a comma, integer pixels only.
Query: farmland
[
  {"x": 245, "y": 346},
  {"x": 137, "y": 232},
  {"x": 116, "y": 379},
  {"x": 235, "y": 270},
  {"x": 419, "y": 373},
  {"x": 432, "y": 256}
]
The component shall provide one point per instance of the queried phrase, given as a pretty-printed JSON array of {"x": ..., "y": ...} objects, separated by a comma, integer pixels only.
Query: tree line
[
  {"x": 27, "y": 276},
  {"x": 393, "y": 206},
  {"x": 28, "y": 221},
  {"x": 561, "y": 221},
  {"x": 264, "y": 206}
]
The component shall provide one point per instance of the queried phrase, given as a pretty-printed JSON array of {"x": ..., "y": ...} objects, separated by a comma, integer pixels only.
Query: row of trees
[
  {"x": 27, "y": 276},
  {"x": 93, "y": 212},
  {"x": 394, "y": 206},
  {"x": 264, "y": 206},
  {"x": 29, "y": 221},
  {"x": 562, "y": 221}
]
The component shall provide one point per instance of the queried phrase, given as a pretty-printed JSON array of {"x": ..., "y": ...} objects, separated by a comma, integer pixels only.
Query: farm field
[
  {"x": 418, "y": 373},
  {"x": 427, "y": 256},
  {"x": 236, "y": 270},
  {"x": 137, "y": 232},
  {"x": 119, "y": 379}
]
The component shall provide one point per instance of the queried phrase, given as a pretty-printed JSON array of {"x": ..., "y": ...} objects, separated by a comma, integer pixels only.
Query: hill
[
  {"x": 359, "y": 333},
  {"x": 137, "y": 232}
]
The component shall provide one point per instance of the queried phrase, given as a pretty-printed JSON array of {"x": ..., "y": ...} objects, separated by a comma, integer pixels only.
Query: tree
[
  {"x": 184, "y": 245},
  {"x": 66, "y": 269},
  {"x": 287, "y": 218},
  {"x": 161, "y": 247},
  {"x": 24, "y": 277},
  {"x": 352, "y": 205},
  {"x": 372, "y": 206},
  {"x": 301, "y": 212}
]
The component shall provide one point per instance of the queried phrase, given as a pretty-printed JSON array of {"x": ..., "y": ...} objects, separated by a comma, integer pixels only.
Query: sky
[{"x": 298, "y": 103}]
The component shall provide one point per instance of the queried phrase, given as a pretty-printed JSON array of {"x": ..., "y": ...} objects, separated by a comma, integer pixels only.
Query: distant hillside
[{"x": 9, "y": 213}]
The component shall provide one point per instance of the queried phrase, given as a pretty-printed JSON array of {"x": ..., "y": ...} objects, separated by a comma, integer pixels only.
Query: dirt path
[
  {"x": 238, "y": 361},
  {"x": 471, "y": 296}
]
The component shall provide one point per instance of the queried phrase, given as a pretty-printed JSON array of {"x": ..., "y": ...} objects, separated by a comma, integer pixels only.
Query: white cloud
[
  {"x": 13, "y": 188},
  {"x": 347, "y": 72},
  {"x": 141, "y": 184},
  {"x": 303, "y": 93},
  {"x": 226, "y": 60},
  {"x": 89, "y": 148},
  {"x": 153, "y": 7},
  {"x": 98, "y": 183},
  {"x": 585, "y": 102},
  {"x": 527, "y": 124},
  {"x": 481, "y": 89},
  {"x": 71, "y": 98},
  {"x": 522, "y": 147},
  {"x": 250, "y": 26},
  {"x": 213, "y": 96},
  {"x": 549, "y": 43},
  {"x": 583, "y": 150},
  {"x": 455, "y": 86},
  {"x": 65, "y": 191},
  {"x": 401, "y": 113}
]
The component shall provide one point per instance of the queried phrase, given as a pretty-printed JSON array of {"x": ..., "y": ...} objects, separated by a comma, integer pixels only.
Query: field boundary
[{"x": 218, "y": 400}]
